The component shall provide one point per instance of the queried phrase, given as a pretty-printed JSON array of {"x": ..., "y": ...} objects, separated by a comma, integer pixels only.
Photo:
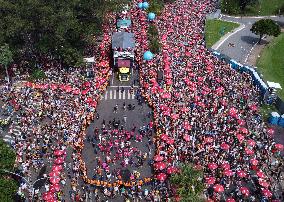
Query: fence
[{"x": 279, "y": 104}]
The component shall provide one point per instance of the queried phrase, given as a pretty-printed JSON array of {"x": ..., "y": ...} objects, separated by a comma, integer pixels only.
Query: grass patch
[
  {"x": 265, "y": 7},
  {"x": 215, "y": 29},
  {"x": 271, "y": 62},
  {"x": 260, "y": 8}
]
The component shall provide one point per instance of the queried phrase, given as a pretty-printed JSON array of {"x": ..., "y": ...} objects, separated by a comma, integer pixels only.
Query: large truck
[{"x": 123, "y": 45}]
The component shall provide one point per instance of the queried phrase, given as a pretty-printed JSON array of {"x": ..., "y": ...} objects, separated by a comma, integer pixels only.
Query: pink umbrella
[
  {"x": 160, "y": 166},
  {"x": 54, "y": 174},
  {"x": 225, "y": 166},
  {"x": 164, "y": 137},
  {"x": 270, "y": 131},
  {"x": 56, "y": 168},
  {"x": 266, "y": 193},
  {"x": 47, "y": 196},
  {"x": 56, "y": 187},
  {"x": 249, "y": 151},
  {"x": 251, "y": 142},
  {"x": 241, "y": 173},
  {"x": 76, "y": 91},
  {"x": 59, "y": 160},
  {"x": 210, "y": 180},
  {"x": 52, "y": 200},
  {"x": 58, "y": 152},
  {"x": 244, "y": 130},
  {"x": 225, "y": 146},
  {"x": 53, "y": 86},
  {"x": 233, "y": 111},
  {"x": 170, "y": 141},
  {"x": 54, "y": 180},
  {"x": 228, "y": 173},
  {"x": 230, "y": 200},
  {"x": 260, "y": 174},
  {"x": 158, "y": 158},
  {"x": 186, "y": 138},
  {"x": 244, "y": 191},
  {"x": 162, "y": 176},
  {"x": 174, "y": 116},
  {"x": 240, "y": 137},
  {"x": 254, "y": 162},
  {"x": 212, "y": 166},
  {"x": 218, "y": 188},
  {"x": 241, "y": 122},
  {"x": 263, "y": 183},
  {"x": 171, "y": 170},
  {"x": 279, "y": 146}
]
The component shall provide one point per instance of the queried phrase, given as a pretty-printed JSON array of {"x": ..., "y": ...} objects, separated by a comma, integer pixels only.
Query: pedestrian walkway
[
  {"x": 114, "y": 94},
  {"x": 15, "y": 132}
]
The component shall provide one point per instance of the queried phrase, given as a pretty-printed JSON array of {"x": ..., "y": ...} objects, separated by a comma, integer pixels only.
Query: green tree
[
  {"x": 58, "y": 28},
  {"x": 8, "y": 187},
  {"x": 265, "y": 27},
  {"x": 6, "y": 57},
  {"x": 7, "y": 157},
  {"x": 189, "y": 184}
]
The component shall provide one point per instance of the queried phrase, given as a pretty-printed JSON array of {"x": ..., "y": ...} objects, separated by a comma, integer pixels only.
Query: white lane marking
[
  {"x": 123, "y": 95},
  {"x": 114, "y": 94},
  {"x": 110, "y": 94},
  {"x": 224, "y": 39},
  {"x": 249, "y": 53},
  {"x": 133, "y": 96},
  {"x": 128, "y": 95},
  {"x": 119, "y": 95},
  {"x": 106, "y": 95}
]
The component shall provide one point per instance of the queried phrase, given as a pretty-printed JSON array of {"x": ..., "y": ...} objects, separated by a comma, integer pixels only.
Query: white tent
[{"x": 89, "y": 60}]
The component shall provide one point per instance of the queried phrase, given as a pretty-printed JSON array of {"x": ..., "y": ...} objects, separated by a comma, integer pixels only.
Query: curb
[
  {"x": 217, "y": 45},
  {"x": 256, "y": 17}
]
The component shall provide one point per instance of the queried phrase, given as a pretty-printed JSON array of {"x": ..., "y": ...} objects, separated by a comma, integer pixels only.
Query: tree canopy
[
  {"x": 189, "y": 184},
  {"x": 59, "y": 28},
  {"x": 265, "y": 27}
]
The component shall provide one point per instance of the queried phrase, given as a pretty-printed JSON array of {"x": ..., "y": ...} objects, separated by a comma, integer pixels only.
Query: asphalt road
[{"x": 244, "y": 39}]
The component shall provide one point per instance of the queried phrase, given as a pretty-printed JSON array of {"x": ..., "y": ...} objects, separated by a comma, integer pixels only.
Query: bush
[
  {"x": 155, "y": 45},
  {"x": 153, "y": 38},
  {"x": 156, "y": 6},
  {"x": 230, "y": 7}
]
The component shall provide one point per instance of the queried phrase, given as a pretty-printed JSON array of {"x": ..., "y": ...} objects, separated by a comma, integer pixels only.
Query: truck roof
[{"x": 123, "y": 40}]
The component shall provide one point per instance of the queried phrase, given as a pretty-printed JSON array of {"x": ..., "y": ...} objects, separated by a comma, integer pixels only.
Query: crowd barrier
[{"x": 279, "y": 104}]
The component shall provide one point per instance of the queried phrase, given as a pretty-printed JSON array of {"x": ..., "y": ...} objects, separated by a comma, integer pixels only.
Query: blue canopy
[
  {"x": 140, "y": 5},
  {"x": 123, "y": 22},
  {"x": 145, "y": 5},
  {"x": 148, "y": 55},
  {"x": 151, "y": 16}
]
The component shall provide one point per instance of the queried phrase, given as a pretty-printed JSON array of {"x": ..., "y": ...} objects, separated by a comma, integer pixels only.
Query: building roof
[{"x": 123, "y": 40}]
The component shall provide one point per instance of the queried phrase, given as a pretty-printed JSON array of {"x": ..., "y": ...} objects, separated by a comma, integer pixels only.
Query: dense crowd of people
[{"x": 205, "y": 114}]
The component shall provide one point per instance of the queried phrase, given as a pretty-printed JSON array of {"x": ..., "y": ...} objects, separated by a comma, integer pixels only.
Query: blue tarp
[{"x": 123, "y": 22}]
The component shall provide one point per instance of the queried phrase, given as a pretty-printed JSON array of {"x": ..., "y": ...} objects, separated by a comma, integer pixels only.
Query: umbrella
[
  {"x": 260, "y": 174},
  {"x": 160, "y": 166},
  {"x": 241, "y": 122},
  {"x": 228, "y": 173},
  {"x": 240, "y": 137},
  {"x": 279, "y": 146},
  {"x": 158, "y": 158},
  {"x": 171, "y": 170},
  {"x": 249, "y": 151},
  {"x": 263, "y": 183},
  {"x": 225, "y": 146},
  {"x": 54, "y": 174},
  {"x": 164, "y": 137},
  {"x": 225, "y": 166},
  {"x": 254, "y": 162},
  {"x": 162, "y": 176},
  {"x": 47, "y": 196},
  {"x": 59, "y": 160},
  {"x": 56, "y": 187},
  {"x": 270, "y": 131},
  {"x": 210, "y": 180},
  {"x": 58, "y": 152},
  {"x": 52, "y": 200},
  {"x": 186, "y": 138},
  {"x": 244, "y": 191},
  {"x": 54, "y": 180},
  {"x": 251, "y": 142},
  {"x": 56, "y": 168},
  {"x": 241, "y": 173},
  {"x": 212, "y": 166},
  {"x": 266, "y": 193},
  {"x": 170, "y": 141},
  {"x": 218, "y": 188},
  {"x": 230, "y": 200},
  {"x": 244, "y": 130}
]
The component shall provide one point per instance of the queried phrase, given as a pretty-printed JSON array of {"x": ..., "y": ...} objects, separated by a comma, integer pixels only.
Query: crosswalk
[
  {"x": 15, "y": 132},
  {"x": 113, "y": 94}
]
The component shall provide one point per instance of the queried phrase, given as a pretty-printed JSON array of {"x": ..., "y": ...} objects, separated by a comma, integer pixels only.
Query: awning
[
  {"x": 123, "y": 63},
  {"x": 124, "y": 70}
]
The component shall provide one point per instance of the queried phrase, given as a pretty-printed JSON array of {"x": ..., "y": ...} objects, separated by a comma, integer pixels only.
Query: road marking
[
  {"x": 119, "y": 95},
  {"x": 112, "y": 78},
  {"x": 123, "y": 95},
  {"x": 128, "y": 95},
  {"x": 106, "y": 95},
  {"x": 114, "y": 94},
  {"x": 110, "y": 94},
  {"x": 249, "y": 53},
  {"x": 229, "y": 35},
  {"x": 123, "y": 86},
  {"x": 133, "y": 96}
]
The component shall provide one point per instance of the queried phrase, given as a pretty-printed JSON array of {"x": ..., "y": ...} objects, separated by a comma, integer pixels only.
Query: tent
[
  {"x": 123, "y": 23},
  {"x": 123, "y": 40}
]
